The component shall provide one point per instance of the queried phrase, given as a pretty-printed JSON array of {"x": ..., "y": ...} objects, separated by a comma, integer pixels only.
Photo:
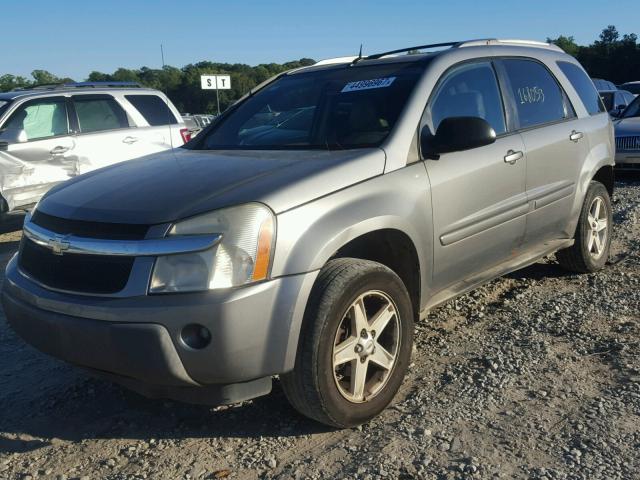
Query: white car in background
[{"x": 49, "y": 134}]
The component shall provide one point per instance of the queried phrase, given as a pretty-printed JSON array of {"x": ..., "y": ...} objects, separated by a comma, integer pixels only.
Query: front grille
[
  {"x": 73, "y": 272},
  {"x": 92, "y": 274},
  {"x": 628, "y": 144}
]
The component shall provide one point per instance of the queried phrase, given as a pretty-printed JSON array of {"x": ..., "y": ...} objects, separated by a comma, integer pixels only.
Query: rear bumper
[{"x": 137, "y": 340}]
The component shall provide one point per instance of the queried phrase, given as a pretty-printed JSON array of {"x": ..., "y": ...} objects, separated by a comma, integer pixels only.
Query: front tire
[
  {"x": 355, "y": 344},
  {"x": 590, "y": 251}
]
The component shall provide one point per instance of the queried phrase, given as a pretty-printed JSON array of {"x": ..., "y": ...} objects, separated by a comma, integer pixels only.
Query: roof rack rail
[
  {"x": 72, "y": 85},
  {"x": 464, "y": 43},
  {"x": 408, "y": 49},
  {"x": 102, "y": 85},
  {"x": 506, "y": 42}
]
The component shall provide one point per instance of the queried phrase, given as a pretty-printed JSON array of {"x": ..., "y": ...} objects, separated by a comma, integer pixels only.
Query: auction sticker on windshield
[{"x": 368, "y": 84}]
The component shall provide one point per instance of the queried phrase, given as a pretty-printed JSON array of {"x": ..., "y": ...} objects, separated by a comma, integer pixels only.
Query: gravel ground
[{"x": 536, "y": 375}]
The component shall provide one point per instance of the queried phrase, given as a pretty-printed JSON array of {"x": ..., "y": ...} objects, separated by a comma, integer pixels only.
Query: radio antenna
[{"x": 358, "y": 58}]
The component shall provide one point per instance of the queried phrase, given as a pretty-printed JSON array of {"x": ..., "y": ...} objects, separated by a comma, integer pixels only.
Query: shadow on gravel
[
  {"x": 540, "y": 271},
  {"x": 95, "y": 409}
]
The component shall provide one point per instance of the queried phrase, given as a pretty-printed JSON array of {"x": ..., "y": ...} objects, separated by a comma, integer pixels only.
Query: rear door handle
[
  {"x": 575, "y": 136},
  {"x": 129, "y": 140},
  {"x": 512, "y": 157},
  {"x": 59, "y": 150}
]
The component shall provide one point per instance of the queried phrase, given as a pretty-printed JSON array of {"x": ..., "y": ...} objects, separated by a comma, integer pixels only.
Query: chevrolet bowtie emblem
[{"x": 58, "y": 245}]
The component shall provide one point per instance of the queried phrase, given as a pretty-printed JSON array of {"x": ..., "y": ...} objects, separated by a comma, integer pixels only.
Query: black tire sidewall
[
  {"x": 342, "y": 411},
  {"x": 596, "y": 189}
]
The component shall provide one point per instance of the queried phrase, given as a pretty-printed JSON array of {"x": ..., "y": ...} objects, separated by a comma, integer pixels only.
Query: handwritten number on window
[{"x": 531, "y": 95}]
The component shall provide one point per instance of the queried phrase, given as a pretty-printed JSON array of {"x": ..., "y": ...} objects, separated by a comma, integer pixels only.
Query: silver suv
[
  {"x": 49, "y": 134},
  {"x": 304, "y": 232}
]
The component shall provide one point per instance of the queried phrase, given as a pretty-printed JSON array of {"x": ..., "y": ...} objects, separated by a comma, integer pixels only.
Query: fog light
[{"x": 195, "y": 336}]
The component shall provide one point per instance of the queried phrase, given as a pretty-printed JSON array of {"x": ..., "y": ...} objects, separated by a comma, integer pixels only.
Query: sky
[{"x": 74, "y": 37}]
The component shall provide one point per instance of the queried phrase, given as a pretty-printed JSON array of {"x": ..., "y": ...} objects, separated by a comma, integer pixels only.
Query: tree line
[
  {"x": 612, "y": 56},
  {"x": 182, "y": 85}
]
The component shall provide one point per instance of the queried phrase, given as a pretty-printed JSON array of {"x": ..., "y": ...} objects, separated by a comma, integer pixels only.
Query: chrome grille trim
[
  {"x": 63, "y": 244},
  {"x": 628, "y": 144}
]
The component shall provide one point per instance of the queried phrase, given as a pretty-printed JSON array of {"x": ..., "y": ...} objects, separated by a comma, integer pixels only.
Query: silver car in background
[
  {"x": 53, "y": 133},
  {"x": 627, "y": 128},
  {"x": 303, "y": 233}
]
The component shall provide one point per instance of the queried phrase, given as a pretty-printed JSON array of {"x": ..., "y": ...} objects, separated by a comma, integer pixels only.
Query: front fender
[{"x": 309, "y": 235}]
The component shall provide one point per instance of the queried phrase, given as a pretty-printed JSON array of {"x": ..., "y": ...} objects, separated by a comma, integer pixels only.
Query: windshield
[
  {"x": 633, "y": 110},
  {"x": 346, "y": 107}
]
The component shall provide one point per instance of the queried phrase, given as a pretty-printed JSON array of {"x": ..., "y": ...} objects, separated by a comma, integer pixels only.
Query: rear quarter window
[
  {"x": 583, "y": 86},
  {"x": 153, "y": 108}
]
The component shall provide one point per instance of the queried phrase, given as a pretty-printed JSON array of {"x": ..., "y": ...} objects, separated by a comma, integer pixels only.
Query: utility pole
[{"x": 162, "y": 54}]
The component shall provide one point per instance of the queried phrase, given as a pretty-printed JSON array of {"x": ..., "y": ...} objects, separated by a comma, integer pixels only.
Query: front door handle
[
  {"x": 129, "y": 140},
  {"x": 512, "y": 157},
  {"x": 59, "y": 150},
  {"x": 575, "y": 136}
]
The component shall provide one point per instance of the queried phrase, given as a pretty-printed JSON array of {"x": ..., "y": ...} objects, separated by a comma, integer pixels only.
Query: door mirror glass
[{"x": 455, "y": 134}]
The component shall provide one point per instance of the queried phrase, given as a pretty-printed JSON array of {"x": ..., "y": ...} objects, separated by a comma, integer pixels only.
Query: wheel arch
[{"x": 392, "y": 248}]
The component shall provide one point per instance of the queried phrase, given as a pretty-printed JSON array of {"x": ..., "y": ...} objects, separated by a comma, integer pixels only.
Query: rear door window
[
  {"x": 40, "y": 119},
  {"x": 97, "y": 113},
  {"x": 469, "y": 90},
  {"x": 584, "y": 87},
  {"x": 153, "y": 108},
  {"x": 538, "y": 98}
]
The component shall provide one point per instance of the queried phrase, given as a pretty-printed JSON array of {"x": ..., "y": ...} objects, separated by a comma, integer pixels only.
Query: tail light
[{"x": 185, "y": 134}]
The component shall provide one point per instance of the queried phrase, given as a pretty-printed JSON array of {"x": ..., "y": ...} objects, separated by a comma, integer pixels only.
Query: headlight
[{"x": 242, "y": 256}]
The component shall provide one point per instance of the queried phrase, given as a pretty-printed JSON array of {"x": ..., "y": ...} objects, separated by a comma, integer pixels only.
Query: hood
[
  {"x": 626, "y": 127},
  {"x": 177, "y": 184}
]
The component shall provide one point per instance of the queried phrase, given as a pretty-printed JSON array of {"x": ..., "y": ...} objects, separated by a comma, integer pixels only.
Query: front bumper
[
  {"x": 628, "y": 160},
  {"x": 137, "y": 340}
]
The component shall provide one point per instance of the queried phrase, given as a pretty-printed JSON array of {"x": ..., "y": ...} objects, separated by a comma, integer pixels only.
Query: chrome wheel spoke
[
  {"x": 382, "y": 357},
  {"x": 359, "y": 316},
  {"x": 381, "y": 319},
  {"x": 345, "y": 351},
  {"x": 359, "y": 379},
  {"x": 598, "y": 243},
  {"x": 602, "y": 225},
  {"x": 596, "y": 207},
  {"x": 590, "y": 242}
]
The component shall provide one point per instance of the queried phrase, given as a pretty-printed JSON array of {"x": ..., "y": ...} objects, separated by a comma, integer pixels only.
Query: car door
[
  {"x": 104, "y": 134},
  {"x": 555, "y": 145},
  {"x": 478, "y": 196},
  {"x": 43, "y": 152}
]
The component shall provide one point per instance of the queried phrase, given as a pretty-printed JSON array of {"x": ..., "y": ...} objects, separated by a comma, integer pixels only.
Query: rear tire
[
  {"x": 346, "y": 372},
  {"x": 590, "y": 251}
]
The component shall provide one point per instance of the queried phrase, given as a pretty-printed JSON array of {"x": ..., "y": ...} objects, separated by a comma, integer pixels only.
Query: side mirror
[
  {"x": 10, "y": 136},
  {"x": 456, "y": 134}
]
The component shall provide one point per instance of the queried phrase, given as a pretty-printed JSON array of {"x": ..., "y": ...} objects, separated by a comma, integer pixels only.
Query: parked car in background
[
  {"x": 633, "y": 87},
  {"x": 603, "y": 85},
  {"x": 196, "y": 123},
  {"x": 50, "y": 134},
  {"x": 627, "y": 131},
  {"x": 615, "y": 101},
  {"x": 308, "y": 248}
]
